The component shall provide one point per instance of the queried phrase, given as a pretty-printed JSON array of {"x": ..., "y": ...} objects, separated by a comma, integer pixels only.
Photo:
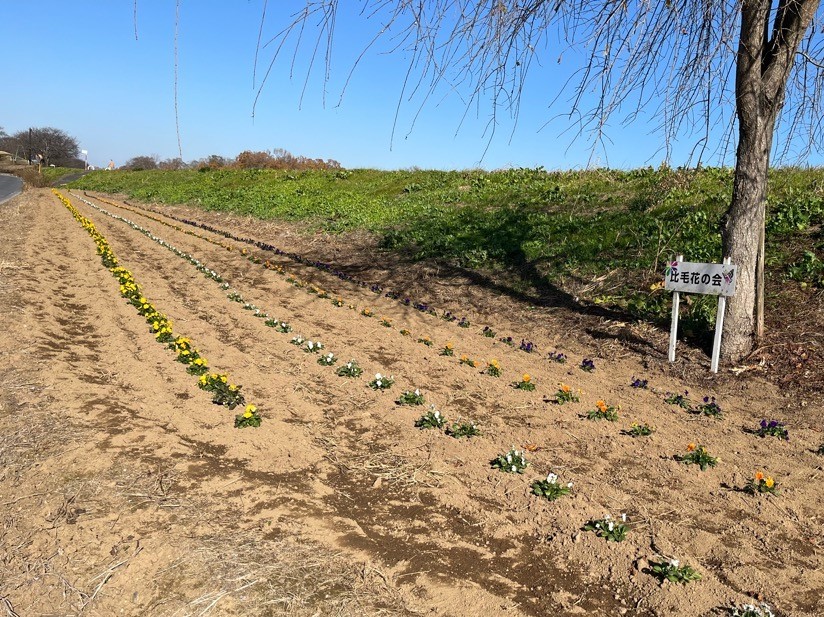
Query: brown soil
[{"x": 123, "y": 490}]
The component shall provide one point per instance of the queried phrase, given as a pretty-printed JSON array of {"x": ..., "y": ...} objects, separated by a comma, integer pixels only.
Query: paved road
[{"x": 9, "y": 187}]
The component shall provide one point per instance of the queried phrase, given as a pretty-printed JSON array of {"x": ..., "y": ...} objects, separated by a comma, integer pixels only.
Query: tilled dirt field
[{"x": 124, "y": 490}]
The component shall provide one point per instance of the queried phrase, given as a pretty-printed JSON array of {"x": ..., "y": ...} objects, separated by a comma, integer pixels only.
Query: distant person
[{"x": 110, "y": 166}]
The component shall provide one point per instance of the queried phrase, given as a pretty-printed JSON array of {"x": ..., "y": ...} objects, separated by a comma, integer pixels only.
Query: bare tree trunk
[{"x": 763, "y": 64}]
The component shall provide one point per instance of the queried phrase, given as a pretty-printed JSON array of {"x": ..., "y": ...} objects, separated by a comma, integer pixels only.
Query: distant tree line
[
  {"x": 248, "y": 159},
  {"x": 45, "y": 145}
]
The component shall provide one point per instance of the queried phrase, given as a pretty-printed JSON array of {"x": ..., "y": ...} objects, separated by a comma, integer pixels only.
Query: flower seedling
[
  {"x": 448, "y": 350},
  {"x": 463, "y": 429},
  {"x": 411, "y": 398},
  {"x": 773, "y": 428},
  {"x": 697, "y": 455},
  {"x": 381, "y": 382},
  {"x": 337, "y": 302},
  {"x": 431, "y": 419},
  {"x": 260, "y": 314},
  {"x": 507, "y": 340},
  {"x": 527, "y": 346},
  {"x": 513, "y": 461},
  {"x": 367, "y": 312},
  {"x": 525, "y": 383},
  {"x": 603, "y": 411},
  {"x": 250, "y": 417},
  {"x": 223, "y": 393},
  {"x": 566, "y": 394},
  {"x": 199, "y": 366},
  {"x": 751, "y": 610},
  {"x": 386, "y": 322},
  {"x": 313, "y": 346},
  {"x": 707, "y": 408},
  {"x": 280, "y": 326},
  {"x": 248, "y": 306},
  {"x": 493, "y": 368},
  {"x": 464, "y": 323},
  {"x": 488, "y": 332},
  {"x": 448, "y": 316},
  {"x": 640, "y": 430},
  {"x": 327, "y": 359},
  {"x": 639, "y": 383},
  {"x": 609, "y": 529},
  {"x": 468, "y": 361},
  {"x": 587, "y": 365},
  {"x": 350, "y": 369},
  {"x": 405, "y": 332},
  {"x": 550, "y": 488},
  {"x": 298, "y": 340},
  {"x": 681, "y": 400},
  {"x": 673, "y": 572},
  {"x": 426, "y": 341},
  {"x": 557, "y": 356},
  {"x": 234, "y": 296},
  {"x": 761, "y": 484}
]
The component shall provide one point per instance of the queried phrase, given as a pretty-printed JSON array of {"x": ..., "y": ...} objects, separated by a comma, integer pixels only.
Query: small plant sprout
[
  {"x": 405, "y": 332},
  {"x": 640, "y": 430},
  {"x": 639, "y": 383},
  {"x": 431, "y": 419},
  {"x": 234, "y": 296},
  {"x": 527, "y": 346},
  {"x": 673, "y": 571},
  {"x": 820, "y": 449},
  {"x": 507, "y": 340},
  {"x": 751, "y": 610},
  {"x": 761, "y": 484},
  {"x": 566, "y": 394},
  {"x": 773, "y": 428},
  {"x": 493, "y": 368},
  {"x": 313, "y": 346},
  {"x": 557, "y": 356},
  {"x": 327, "y": 359},
  {"x": 350, "y": 369},
  {"x": 513, "y": 461},
  {"x": 681, "y": 400},
  {"x": 488, "y": 332},
  {"x": 550, "y": 488},
  {"x": 697, "y": 455},
  {"x": 468, "y": 361},
  {"x": 603, "y": 411},
  {"x": 464, "y": 323},
  {"x": 297, "y": 340},
  {"x": 587, "y": 365},
  {"x": 279, "y": 326},
  {"x": 426, "y": 341},
  {"x": 526, "y": 383},
  {"x": 337, "y": 302},
  {"x": 199, "y": 366},
  {"x": 411, "y": 398},
  {"x": 708, "y": 407},
  {"x": 448, "y": 350},
  {"x": 367, "y": 312},
  {"x": 250, "y": 417},
  {"x": 609, "y": 529},
  {"x": 260, "y": 314},
  {"x": 386, "y": 322},
  {"x": 463, "y": 428},
  {"x": 248, "y": 306},
  {"x": 381, "y": 382}
]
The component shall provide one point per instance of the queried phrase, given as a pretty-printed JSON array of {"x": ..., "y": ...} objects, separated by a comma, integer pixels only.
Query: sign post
[{"x": 701, "y": 278}]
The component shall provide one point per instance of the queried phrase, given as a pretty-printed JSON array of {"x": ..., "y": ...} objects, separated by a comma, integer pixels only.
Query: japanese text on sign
[{"x": 698, "y": 278}]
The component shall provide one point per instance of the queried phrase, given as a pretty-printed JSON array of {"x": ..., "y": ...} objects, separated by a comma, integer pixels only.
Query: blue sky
[{"x": 77, "y": 66}]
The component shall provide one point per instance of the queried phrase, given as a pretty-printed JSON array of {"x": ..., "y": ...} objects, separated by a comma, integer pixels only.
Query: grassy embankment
[{"x": 565, "y": 229}]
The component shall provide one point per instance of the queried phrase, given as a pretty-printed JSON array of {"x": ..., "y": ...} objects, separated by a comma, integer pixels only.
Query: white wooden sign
[
  {"x": 699, "y": 278},
  {"x": 691, "y": 277}
]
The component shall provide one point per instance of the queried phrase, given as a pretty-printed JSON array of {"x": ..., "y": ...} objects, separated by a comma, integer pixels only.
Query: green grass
[{"x": 544, "y": 229}]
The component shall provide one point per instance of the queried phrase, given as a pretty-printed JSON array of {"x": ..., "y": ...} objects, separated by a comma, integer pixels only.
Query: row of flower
[
  {"x": 223, "y": 392},
  {"x": 515, "y": 460}
]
